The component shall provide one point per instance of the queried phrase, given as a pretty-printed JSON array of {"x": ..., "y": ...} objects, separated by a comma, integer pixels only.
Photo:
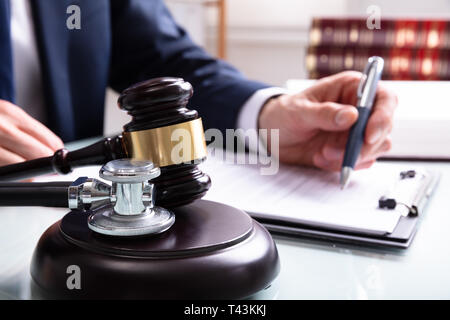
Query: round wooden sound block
[{"x": 213, "y": 251}]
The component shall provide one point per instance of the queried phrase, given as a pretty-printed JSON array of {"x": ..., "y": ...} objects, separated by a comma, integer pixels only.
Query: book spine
[
  {"x": 412, "y": 34},
  {"x": 400, "y": 63}
]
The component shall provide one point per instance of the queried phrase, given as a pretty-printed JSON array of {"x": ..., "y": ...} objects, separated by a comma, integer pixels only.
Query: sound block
[{"x": 213, "y": 251}]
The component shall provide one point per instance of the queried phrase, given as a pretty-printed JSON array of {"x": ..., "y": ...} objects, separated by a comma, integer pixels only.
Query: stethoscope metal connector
[{"x": 131, "y": 193}]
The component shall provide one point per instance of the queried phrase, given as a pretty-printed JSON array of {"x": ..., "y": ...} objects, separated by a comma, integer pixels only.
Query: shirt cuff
[{"x": 249, "y": 113}]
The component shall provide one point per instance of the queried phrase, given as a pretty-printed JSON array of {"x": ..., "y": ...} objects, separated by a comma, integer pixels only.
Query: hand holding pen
[
  {"x": 366, "y": 95},
  {"x": 314, "y": 124}
]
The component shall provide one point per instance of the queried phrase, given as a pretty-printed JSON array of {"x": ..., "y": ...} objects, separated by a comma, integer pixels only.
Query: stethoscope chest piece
[{"x": 132, "y": 195}]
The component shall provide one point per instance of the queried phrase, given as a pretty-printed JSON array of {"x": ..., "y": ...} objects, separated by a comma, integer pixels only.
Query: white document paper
[
  {"x": 308, "y": 196},
  {"x": 297, "y": 194}
]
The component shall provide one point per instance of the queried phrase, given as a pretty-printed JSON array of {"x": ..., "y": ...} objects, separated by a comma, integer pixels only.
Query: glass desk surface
[{"x": 309, "y": 269}]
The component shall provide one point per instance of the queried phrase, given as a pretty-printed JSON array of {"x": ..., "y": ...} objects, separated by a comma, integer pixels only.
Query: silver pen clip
[{"x": 368, "y": 85}]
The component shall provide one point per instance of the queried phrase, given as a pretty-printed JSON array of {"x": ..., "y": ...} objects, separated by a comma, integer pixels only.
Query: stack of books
[{"x": 412, "y": 49}]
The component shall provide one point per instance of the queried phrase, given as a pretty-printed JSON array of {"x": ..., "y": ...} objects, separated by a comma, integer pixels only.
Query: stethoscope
[{"x": 131, "y": 194}]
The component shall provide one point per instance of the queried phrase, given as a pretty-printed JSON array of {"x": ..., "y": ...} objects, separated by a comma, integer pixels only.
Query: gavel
[
  {"x": 158, "y": 109},
  {"x": 139, "y": 236}
]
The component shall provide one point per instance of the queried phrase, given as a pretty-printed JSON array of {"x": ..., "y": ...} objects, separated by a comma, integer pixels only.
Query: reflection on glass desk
[{"x": 309, "y": 269}]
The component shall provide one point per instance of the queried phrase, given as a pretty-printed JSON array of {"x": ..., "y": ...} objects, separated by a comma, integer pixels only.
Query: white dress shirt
[
  {"x": 28, "y": 76},
  {"x": 27, "y": 69}
]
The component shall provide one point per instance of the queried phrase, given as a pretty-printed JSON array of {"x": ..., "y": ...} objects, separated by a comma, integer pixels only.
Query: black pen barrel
[{"x": 356, "y": 138}]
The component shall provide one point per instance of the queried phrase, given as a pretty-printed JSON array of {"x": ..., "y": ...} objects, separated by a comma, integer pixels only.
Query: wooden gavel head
[
  {"x": 157, "y": 103},
  {"x": 165, "y": 132}
]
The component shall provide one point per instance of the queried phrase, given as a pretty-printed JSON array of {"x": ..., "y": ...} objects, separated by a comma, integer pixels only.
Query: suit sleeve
[{"x": 147, "y": 43}]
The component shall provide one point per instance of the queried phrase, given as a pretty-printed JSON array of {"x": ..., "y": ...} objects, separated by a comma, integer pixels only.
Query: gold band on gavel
[{"x": 165, "y": 146}]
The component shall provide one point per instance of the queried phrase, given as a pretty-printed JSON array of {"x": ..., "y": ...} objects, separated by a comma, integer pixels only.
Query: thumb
[{"x": 330, "y": 116}]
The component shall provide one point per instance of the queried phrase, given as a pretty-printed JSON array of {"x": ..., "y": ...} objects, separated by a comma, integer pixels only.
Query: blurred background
[
  {"x": 268, "y": 39},
  {"x": 289, "y": 43}
]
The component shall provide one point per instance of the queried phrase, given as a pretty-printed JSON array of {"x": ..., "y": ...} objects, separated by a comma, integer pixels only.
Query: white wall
[
  {"x": 280, "y": 13},
  {"x": 193, "y": 16},
  {"x": 267, "y": 39},
  {"x": 404, "y": 8}
]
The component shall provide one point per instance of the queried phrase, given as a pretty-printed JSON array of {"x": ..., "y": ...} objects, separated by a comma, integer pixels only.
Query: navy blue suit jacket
[{"x": 120, "y": 43}]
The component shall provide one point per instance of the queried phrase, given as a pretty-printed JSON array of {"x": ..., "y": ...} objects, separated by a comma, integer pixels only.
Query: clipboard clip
[{"x": 411, "y": 190}]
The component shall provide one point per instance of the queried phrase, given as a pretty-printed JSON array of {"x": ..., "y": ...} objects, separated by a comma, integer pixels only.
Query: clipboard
[{"x": 410, "y": 193}]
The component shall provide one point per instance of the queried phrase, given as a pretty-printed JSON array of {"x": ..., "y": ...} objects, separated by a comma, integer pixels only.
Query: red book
[
  {"x": 400, "y": 63},
  {"x": 399, "y": 33},
  {"x": 412, "y": 49}
]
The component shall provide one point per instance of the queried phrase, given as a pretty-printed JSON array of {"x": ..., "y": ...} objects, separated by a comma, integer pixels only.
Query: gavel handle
[
  {"x": 46, "y": 194},
  {"x": 64, "y": 161}
]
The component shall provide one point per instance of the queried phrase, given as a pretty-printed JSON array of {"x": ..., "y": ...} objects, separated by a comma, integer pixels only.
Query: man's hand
[
  {"x": 22, "y": 137},
  {"x": 314, "y": 124}
]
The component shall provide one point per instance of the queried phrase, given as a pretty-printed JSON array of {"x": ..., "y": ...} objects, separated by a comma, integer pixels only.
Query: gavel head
[{"x": 164, "y": 131}]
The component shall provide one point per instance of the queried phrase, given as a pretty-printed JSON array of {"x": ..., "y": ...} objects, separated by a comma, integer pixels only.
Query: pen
[{"x": 366, "y": 94}]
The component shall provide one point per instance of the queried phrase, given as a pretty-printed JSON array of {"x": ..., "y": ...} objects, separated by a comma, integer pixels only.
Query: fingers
[
  {"x": 31, "y": 126},
  {"x": 21, "y": 143},
  {"x": 41, "y": 133},
  {"x": 331, "y": 156},
  {"x": 336, "y": 165},
  {"x": 374, "y": 151},
  {"x": 364, "y": 165},
  {"x": 327, "y": 116},
  {"x": 22, "y": 137},
  {"x": 377, "y": 140},
  {"x": 380, "y": 122},
  {"x": 8, "y": 157},
  {"x": 340, "y": 87}
]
